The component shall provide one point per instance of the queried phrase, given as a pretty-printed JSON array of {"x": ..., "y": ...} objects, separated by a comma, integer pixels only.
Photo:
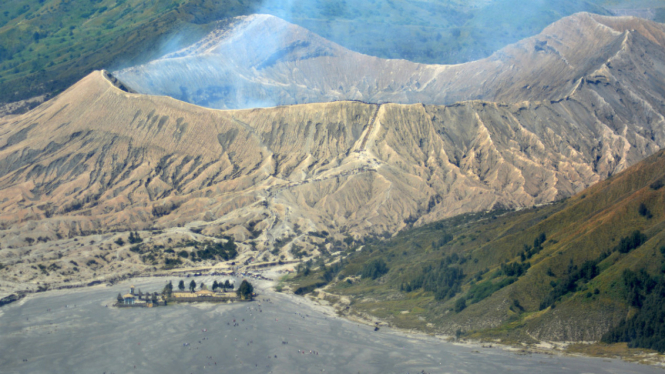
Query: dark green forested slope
[
  {"x": 47, "y": 45},
  {"x": 573, "y": 270}
]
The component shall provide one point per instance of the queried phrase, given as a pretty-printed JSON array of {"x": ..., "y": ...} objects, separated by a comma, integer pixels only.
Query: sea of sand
[{"x": 78, "y": 331}]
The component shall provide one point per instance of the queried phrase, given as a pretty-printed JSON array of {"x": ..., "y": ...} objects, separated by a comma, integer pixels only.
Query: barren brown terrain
[{"x": 539, "y": 121}]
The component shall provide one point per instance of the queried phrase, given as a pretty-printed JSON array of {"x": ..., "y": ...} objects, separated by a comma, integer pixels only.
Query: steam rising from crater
[
  {"x": 262, "y": 60},
  {"x": 219, "y": 71}
]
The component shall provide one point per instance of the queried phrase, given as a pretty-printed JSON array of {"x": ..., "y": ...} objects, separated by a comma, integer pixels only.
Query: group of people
[{"x": 311, "y": 352}]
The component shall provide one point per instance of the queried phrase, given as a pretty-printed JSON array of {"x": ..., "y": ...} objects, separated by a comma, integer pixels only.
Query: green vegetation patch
[{"x": 598, "y": 251}]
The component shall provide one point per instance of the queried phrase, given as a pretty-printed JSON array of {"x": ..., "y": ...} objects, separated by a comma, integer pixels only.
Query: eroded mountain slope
[
  {"x": 97, "y": 160},
  {"x": 105, "y": 151}
]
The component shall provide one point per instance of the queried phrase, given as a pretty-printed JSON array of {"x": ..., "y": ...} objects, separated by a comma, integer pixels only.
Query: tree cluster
[
  {"x": 223, "y": 285},
  {"x": 172, "y": 262},
  {"x": 134, "y": 238},
  {"x": 329, "y": 272},
  {"x": 657, "y": 185},
  {"x": 646, "y": 329},
  {"x": 588, "y": 271},
  {"x": 631, "y": 242},
  {"x": 443, "y": 280},
  {"x": 460, "y": 305},
  {"x": 530, "y": 251},
  {"x": 511, "y": 271},
  {"x": 212, "y": 251},
  {"x": 514, "y": 269},
  {"x": 374, "y": 269},
  {"x": 644, "y": 211}
]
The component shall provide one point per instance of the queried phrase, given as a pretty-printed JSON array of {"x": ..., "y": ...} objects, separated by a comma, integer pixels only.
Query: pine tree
[
  {"x": 134, "y": 238},
  {"x": 245, "y": 290},
  {"x": 168, "y": 289},
  {"x": 192, "y": 285}
]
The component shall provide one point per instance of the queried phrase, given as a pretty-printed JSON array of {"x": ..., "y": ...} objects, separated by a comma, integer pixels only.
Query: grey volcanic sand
[{"x": 91, "y": 338}]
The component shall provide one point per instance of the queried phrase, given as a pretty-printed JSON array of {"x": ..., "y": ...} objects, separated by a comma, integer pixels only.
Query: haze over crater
[{"x": 261, "y": 60}]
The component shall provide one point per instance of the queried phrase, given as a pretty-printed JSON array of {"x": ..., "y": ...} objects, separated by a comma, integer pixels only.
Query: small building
[
  {"x": 204, "y": 293},
  {"x": 181, "y": 294},
  {"x": 129, "y": 299}
]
